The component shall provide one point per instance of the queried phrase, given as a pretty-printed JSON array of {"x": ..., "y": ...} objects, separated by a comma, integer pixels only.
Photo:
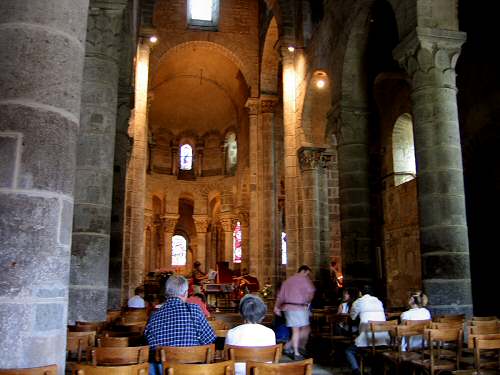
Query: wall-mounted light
[
  {"x": 291, "y": 48},
  {"x": 153, "y": 39},
  {"x": 320, "y": 79}
]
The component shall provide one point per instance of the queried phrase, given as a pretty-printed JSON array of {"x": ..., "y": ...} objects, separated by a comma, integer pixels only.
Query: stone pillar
[
  {"x": 310, "y": 159},
  {"x": 227, "y": 222},
  {"x": 429, "y": 56},
  {"x": 290, "y": 165},
  {"x": 351, "y": 128},
  {"x": 88, "y": 293},
  {"x": 169, "y": 223},
  {"x": 252, "y": 106},
  {"x": 41, "y": 67},
  {"x": 269, "y": 226},
  {"x": 201, "y": 223},
  {"x": 133, "y": 267}
]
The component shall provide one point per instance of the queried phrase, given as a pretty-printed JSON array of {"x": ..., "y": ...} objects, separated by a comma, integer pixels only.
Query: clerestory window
[
  {"x": 186, "y": 161},
  {"x": 179, "y": 250},
  {"x": 203, "y": 14}
]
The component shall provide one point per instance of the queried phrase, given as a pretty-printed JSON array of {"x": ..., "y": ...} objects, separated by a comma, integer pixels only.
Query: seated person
[
  {"x": 199, "y": 299},
  {"x": 417, "y": 311},
  {"x": 251, "y": 333},
  {"x": 348, "y": 297},
  {"x": 137, "y": 301},
  {"x": 366, "y": 308}
]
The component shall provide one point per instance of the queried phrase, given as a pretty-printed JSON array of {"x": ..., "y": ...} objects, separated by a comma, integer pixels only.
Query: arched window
[
  {"x": 403, "y": 150},
  {"x": 231, "y": 153},
  {"x": 186, "y": 161},
  {"x": 203, "y": 14},
  {"x": 179, "y": 250},
  {"x": 283, "y": 248},
  {"x": 237, "y": 243}
]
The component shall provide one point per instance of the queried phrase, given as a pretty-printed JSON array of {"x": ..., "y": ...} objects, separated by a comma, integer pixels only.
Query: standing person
[
  {"x": 417, "y": 311},
  {"x": 293, "y": 299},
  {"x": 177, "y": 323},
  {"x": 366, "y": 308},
  {"x": 137, "y": 301},
  {"x": 251, "y": 333},
  {"x": 197, "y": 276}
]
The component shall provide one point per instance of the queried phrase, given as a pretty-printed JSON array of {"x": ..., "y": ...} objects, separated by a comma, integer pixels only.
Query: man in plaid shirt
[{"x": 178, "y": 323}]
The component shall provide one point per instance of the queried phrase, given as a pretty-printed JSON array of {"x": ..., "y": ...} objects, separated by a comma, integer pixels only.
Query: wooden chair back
[
  {"x": 483, "y": 323},
  {"x": 136, "y": 315},
  {"x": 424, "y": 322},
  {"x": 112, "y": 315},
  {"x": 449, "y": 318},
  {"x": 139, "y": 369},
  {"x": 219, "y": 368},
  {"x": 292, "y": 368},
  {"x": 472, "y": 337},
  {"x": 121, "y": 342},
  {"x": 486, "y": 344},
  {"x": 483, "y": 318},
  {"x": 218, "y": 324},
  {"x": 271, "y": 353},
  {"x": 483, "y": 330},
  {"x": 119, "y": 356},
  {"x": 185, "y": 354},
  {"x": 79, "y": 342},
  {"x": 91, "y": 326},
  {"x": 407, "y": 332},
  {"x": 446, "y": 325},
  {"x": 436, "y": 339},
  {"x": 45, "y": 370},
  {"x": 137, "y": 327},
  {"x": 388, "y": 326}
]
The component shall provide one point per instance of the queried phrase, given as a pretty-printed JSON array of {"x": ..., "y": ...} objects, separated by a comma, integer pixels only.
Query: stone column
[
  {"x": 41, "y": 67},
  {"x": 290, "y": 165},
  {"x": 227, "y": 222},
  {"x": 252, "y": 106},
  {"x": 88, "y": 293},
  {"x": 133, "y": 267},
  {"x": 429, "y": 56},
  {"x": 268, "y": 181},
  {"x": 169, "y": 223},
  {"x": 310, "y": 159},
  {"x": 201, "y": 223},
  {"x": 351, "y": 128}
]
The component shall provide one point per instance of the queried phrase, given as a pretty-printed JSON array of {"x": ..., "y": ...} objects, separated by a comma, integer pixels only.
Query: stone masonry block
[
  {"x": 89, "y": 260},
  {"x": 8, "y": 150},
  {"x": 445, "y": 266},
  {"x": 88, "y": 304}
]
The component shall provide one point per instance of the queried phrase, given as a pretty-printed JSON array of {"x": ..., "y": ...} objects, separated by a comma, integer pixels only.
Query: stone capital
[
  {"x": 244, "y": 218},
  {"x": 312, "y": 158},
  {"x": 201, "y": 223},
  {"x": 427, "y": 49},
  {"x": 227, "y": 221},
  {"x": 268, "y": 104},
  {"x": 252, "y": 106},
  {"x": 169, "y": 222}
]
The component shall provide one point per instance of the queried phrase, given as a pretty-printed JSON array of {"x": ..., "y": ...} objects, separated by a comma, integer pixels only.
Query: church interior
[{"x": 252, "y": 136}]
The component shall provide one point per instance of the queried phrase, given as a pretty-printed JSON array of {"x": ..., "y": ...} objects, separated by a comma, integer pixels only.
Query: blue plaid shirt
[{"x": 178, "y": 323}]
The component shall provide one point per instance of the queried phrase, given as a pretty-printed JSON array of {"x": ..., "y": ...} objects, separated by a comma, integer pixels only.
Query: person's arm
[
  {"x": 279, "y": 301},
  {"x": 354, "y": 311}
]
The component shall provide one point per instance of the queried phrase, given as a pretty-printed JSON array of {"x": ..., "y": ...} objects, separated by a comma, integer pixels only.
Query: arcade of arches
[{"x": 363, "y": 132}]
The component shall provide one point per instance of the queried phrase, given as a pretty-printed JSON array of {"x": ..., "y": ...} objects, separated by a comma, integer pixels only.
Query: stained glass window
[
  {"x": 237, "y": 243},
  {"x": 179, "y": 250},
  {"x": 186, "y": 157},
  {"x": 283, "y": 248}
]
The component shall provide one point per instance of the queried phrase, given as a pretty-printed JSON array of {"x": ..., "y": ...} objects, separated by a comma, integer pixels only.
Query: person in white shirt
[
  {"x": 417, "y": 311},
  {"x": 366, "y": 308},
  {"x": 251, "y": 333},
  {"x": 137, "y": 301}
]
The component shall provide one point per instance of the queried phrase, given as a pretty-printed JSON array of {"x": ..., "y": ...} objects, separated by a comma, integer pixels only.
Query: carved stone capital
[
  {"x": 268, "y": 104},
  {"x": 201, "y": 222},
  {"x": 169, "y": 222},
  {"x": 428, "y": 54},
  {"x": 252, "y": 105},
  {"x": 312, "y": 158},
  {"x": 227, "y": 221},
  {"x": 244, "y": 218}
]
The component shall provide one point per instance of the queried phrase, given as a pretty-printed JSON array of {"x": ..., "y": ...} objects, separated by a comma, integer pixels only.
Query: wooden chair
[
  {"x": 449, "y": 318},
  {"x": 432, "y": 359},
  {"x": 119, "y": 356},
  {"x": 92, "y": 326},
  {"x": 424, "y": 322},
  {"x": 372, "y": 351},
  {"x": 219, "y": 368},
  {"x": 115, "y": 342},
  {"x": 78, "y": 343},
  {"x": 447, "y": 325},
  {"x": 218, "y": 324},
  {"x": 45, "y": 370},
  {"x": 185, "y": 354},
  {"x": 271, "y": 353},
  {"x": 221, "y": 332},
  {"x": 484, "y": 365},
  {"x": 292, "y": 368},
  {"x": 139, "y": 369},
  {"x": 112, "y": 315},
  {"x": 483, "y": 318},
  {"x": 137, "y": 327},
  {"x": 403, "y": 337}
]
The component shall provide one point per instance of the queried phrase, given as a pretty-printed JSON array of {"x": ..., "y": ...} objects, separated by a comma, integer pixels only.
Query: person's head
[
  {"x": 139, "y": 291},
  {"x": 196, "y": 265},
  {"x": 366, "y": 289},
  {"x": 252, "y": 308},
  {"x": 304, "y": 270},
  {"x": 176, "y": 286},
  {"x": 333, "y": 264},
  {"x": 418, "y": 299}
]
